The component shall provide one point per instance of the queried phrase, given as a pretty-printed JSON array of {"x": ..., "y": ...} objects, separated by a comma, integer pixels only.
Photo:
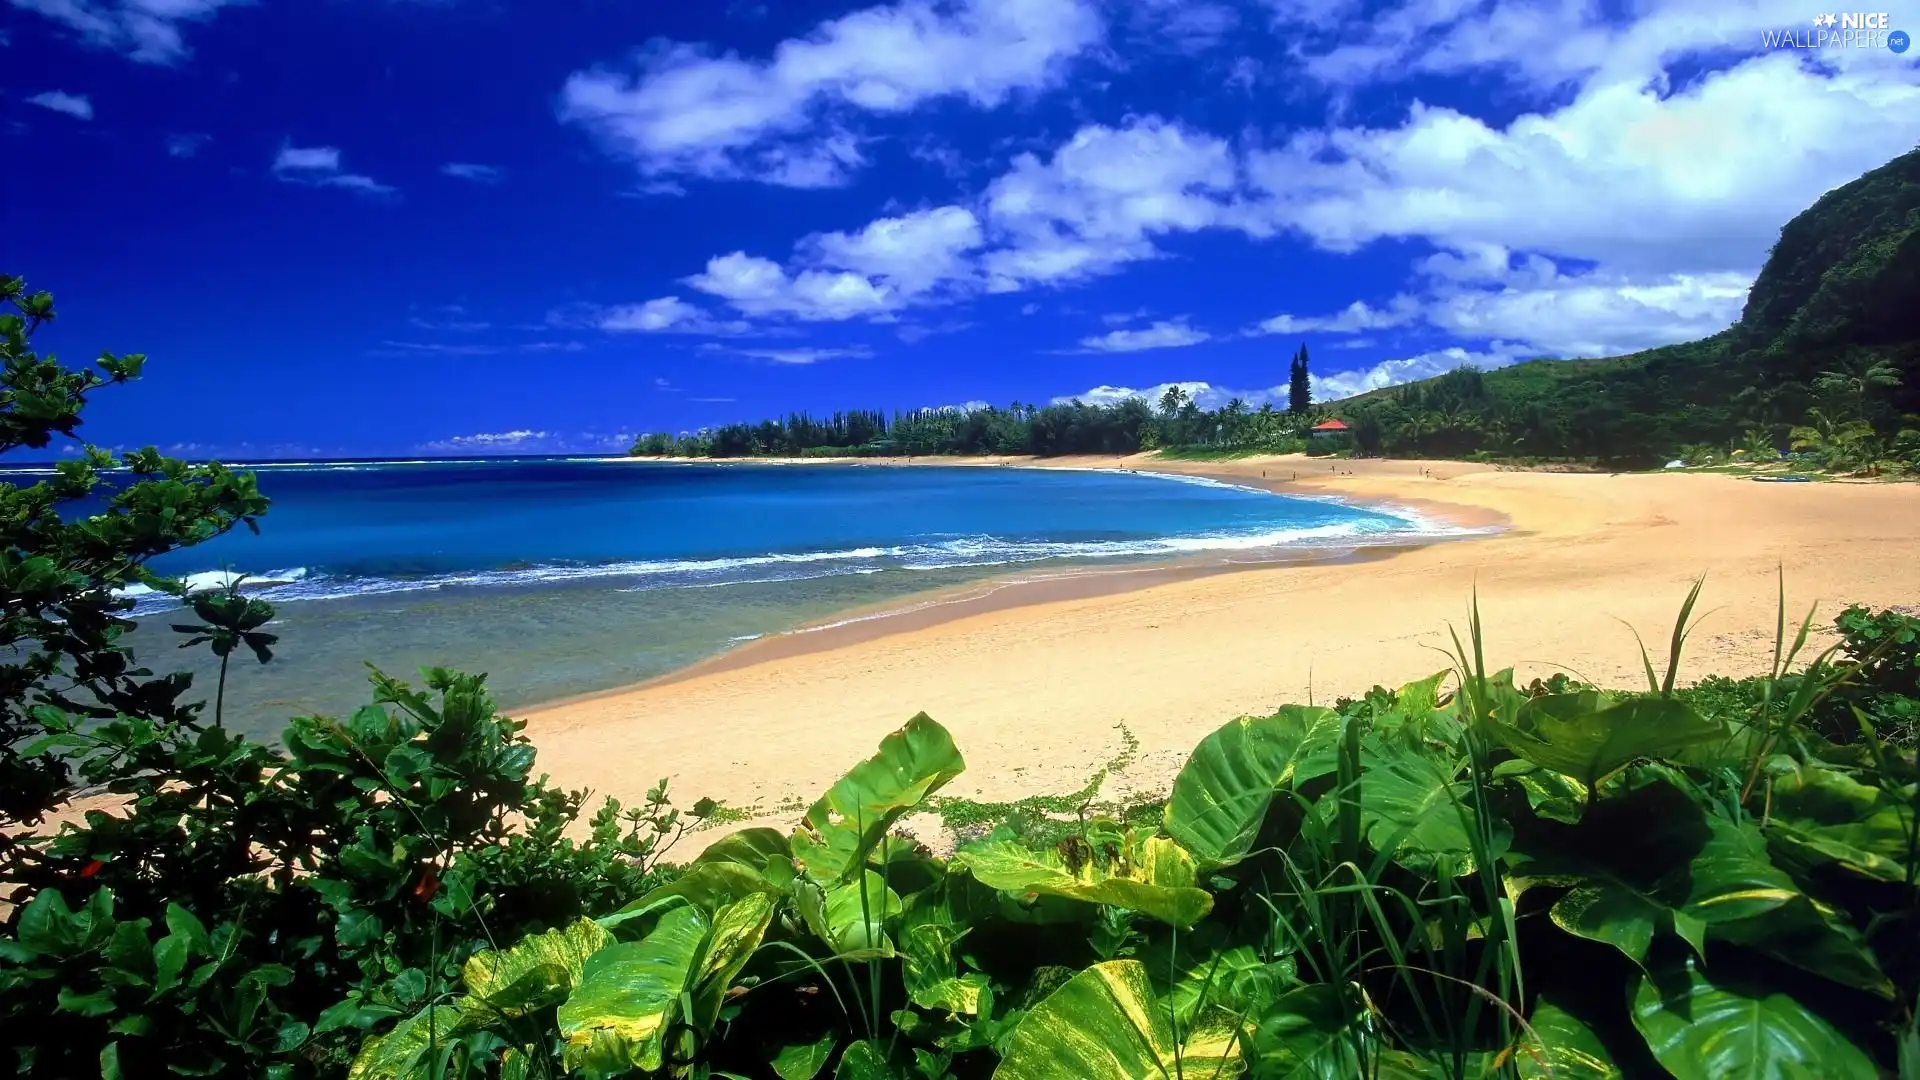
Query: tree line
[{"x": 1175, "y": 422}]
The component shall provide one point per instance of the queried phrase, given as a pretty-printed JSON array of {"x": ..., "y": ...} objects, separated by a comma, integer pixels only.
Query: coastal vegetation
[
  {"x": 1466, "y": 876},
  {"x": 1822, "y": 371}
]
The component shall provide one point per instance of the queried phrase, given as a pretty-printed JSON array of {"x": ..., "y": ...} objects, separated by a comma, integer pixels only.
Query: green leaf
[
  {"x": 1104, "y": 1024},
  {"x": 845, "y": 824},
  {"x": 803, "y": 1061},
  {"x": 1562, "y": 1048},
  {"x": 751, "y": 848},
  {"x": 1234, "y": 979},
  {"x": 630, "y": 992},
  {"x": 96, "y": 1003},
  {"x": 850, "y": 918},
  {"x": 1413, "y": 810},
  {"x": 864, "y": 1060},
  {"x": 1155, "y": 879},
  {"x": 931, "y": 974},
  {"x": 535, "y": 974},
  {"x": 187, "y": 926},
  {"x": 1820, "y": 817},
  {"x": 1658, "y": 864},
  {"x": 1586, "y": 737},
  {"x": 615, "y": 1019},
  {"x": 400, "y": 1054},
  {"x": 1700, "y": 1030},
  {"x": 1222, "y": 794},
  {"x": 1307, "y": 1034},
  {"x": 170, "y": 956}
]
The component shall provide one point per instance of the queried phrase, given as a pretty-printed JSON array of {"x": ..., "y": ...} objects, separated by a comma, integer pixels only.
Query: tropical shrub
[
  {"x": 1497, "y": 880},
  {"x": 228, "y": 907}
]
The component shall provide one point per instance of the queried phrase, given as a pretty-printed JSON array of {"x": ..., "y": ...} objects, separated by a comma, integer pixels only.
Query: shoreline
[
  {"x": 1016, "y": 589},
  {"x": 1032, "y": 691}
]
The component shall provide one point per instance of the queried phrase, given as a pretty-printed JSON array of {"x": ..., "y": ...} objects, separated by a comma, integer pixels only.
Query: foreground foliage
[{"x": 1550, "y": 880}]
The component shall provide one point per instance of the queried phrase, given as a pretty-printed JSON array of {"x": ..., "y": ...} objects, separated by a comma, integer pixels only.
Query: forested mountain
[
  {"x": 1825, "y": 360},
  {"x": 1826, "y": 356}
]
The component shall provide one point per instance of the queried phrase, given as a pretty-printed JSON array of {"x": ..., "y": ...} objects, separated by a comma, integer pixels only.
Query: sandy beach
[{"x": 1032, "y": 685}]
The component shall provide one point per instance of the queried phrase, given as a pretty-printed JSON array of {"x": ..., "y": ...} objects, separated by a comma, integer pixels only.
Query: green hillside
[{"x": 1826, "y": 357}]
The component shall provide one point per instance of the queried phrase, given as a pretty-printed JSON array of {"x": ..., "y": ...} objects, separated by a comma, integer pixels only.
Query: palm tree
[{"x": 1857, "y": 378}]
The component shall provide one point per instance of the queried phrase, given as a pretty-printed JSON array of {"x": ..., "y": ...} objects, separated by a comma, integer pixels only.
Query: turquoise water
[{"x": 560, "y": 577}]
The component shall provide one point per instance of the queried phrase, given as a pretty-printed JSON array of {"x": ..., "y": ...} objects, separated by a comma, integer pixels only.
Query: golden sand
[{"x": 1032, "y": 691}]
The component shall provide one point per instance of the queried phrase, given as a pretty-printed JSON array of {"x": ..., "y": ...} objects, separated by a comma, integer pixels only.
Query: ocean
[{"x": 559, "y": 577}]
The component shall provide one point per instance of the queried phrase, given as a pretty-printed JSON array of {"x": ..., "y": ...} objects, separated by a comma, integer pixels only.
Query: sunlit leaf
[
  {"x": 1222, "y": 794},
  {"x": 845, "y": 824},
  {"x": 1586, "y": 737},
  {"x": 538, "y": 972},
  {"x": 1104, "y": 1024},
  {"x": 1156, "y": 878},
  {"x": 1700, "y": 1030}
]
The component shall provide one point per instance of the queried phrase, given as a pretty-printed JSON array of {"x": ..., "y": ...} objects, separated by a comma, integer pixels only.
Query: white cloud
[
  {"x": 1097, "y": 203},
  {"x": 529, "y": 441},
  {"x": 910, "y": 255},
  {"x": 1595, "y": 314},
  {"x": 1204, "y": 394},
  {"x": 1345, "y": 384},
  {"x": 1624, "y": 176},
  {"x": 1351, "y": 319},
  {"x": 319, "y": 166},
  {"x": 479, "y": 174},
  {"x": 74, "y": 105},
  {"x": 145, "y": 30},
  {"x": 687, "y": 110},
  {"x": 186, "y": 146},
  {"x": 667, "y": 315},
  {"x": 800, "y": 356},
  {"x": 1165, "y": 334},
  {"x": 762, "y": 287}
]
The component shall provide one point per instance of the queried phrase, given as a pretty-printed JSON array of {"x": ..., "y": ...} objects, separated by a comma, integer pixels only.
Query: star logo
[{"x": 1824, "y": 20}]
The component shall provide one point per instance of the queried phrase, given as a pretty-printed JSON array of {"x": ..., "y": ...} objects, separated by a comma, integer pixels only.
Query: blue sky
[{"x": 469, "y": 226}]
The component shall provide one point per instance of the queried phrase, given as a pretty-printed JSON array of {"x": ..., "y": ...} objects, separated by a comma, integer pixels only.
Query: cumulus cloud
[
  {"x": 665, "y": 315},
  {"x": 685, "y": 109},
  {"x": 1345, "y": 384},
  {"x": 1165, "y": 334},
  {"x": 319, "y": 166},
  {"x": 478, "y": 174},
  {"x": 147, "y": 31},
  {"x": 74, "y": 105},
  {"x": 759, "y": 286},
  {"x": 1352, "y": 319}
]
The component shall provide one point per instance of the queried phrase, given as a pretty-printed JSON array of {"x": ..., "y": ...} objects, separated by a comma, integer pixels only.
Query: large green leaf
[
  {"x": 1699, "y": 1030},
  {"x": 1819, "y": 817},
  {"x": 845, "y": 824},
  {"x": 1657, "y": 863},
  {"x": 1413, "y": 810},
  {"x": 1104, "y": 1024},
  {"x": 850, "y": 918},
  {"x": 1812, "y": 936},
  {"x": 1223, "y": 792},
  {"x": 631, "y": 993},
  {"x": 864, "y": 1060},
  {"x": 1307, "y": 1033},
  {"x": 1234, "y": 979},
  {"x": 804, "y": 1060},
  {"x": 406, "y": 1052},
  {"x": 707, "y": 886},
  {"x": 932, "y": 976},
  {"x": 1562, "y": 1048},
  {"x": 537, "y": 973},
  {"x": 1587, "y": 737},
  {"x": 1155, "y": 877},
  {"x": 752, "y": 848}
]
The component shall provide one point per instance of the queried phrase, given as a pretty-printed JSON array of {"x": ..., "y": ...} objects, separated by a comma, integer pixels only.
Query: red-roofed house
[{"x": 1329, "y": 427}]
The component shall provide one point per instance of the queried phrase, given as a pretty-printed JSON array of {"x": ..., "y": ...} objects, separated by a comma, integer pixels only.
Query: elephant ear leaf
[
  {"x": 1413, "y": 810},
  {"x": 1156, "y": 879},
  {"x": 535, "y": 974},
  {"x": 1702, "y": 1030},
  {"x": 845, "y": 824},
  {"x": 616, "y": 1019},
  {"x": 1105, "y": 1024},
  {"x": 1584, "y": 736},
  {"x": 1222, "y": 794},
  {"x": 1562, "y": 1048},
  {"x": 408, "y": 1051}
]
